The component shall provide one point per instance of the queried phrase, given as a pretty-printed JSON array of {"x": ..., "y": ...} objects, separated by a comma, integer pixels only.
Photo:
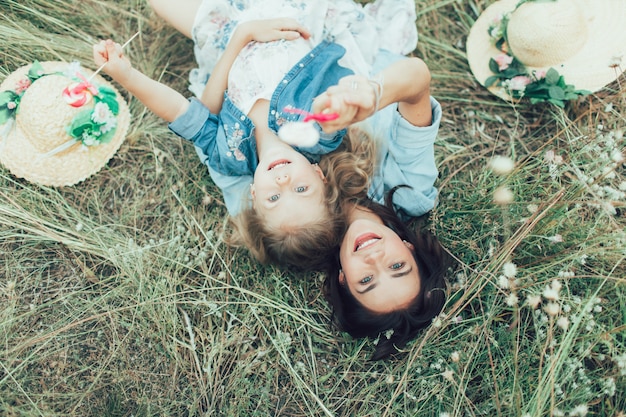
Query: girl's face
[
  {"x": 288, "y": 190},
  {"x": 377, "y": 266}
]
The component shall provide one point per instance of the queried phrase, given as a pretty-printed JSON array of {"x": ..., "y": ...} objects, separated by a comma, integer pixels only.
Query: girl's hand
[
  {"x": 354, "y": 98},
  {"x": 268, "y": 30},
  {"x": 117, "y": 65}
]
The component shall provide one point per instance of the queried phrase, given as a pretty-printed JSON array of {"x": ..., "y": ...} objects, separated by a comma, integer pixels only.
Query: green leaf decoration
[
  {"x": 552, "y": 76},
  {"x": 106, "y": 137},
  {"x": 556, "y": 92},
  {"x": 5, "y": 114},
  {"x": 7, "y": 97},
  {"x": 36, "y": 71},
  {"x": 108, "y": 97},
  {"x": 81, "y": 122},
  {"x": 493, "y": 66},
  {"x": 558, "y": 103},
  {"x": 491, "y": 81}
]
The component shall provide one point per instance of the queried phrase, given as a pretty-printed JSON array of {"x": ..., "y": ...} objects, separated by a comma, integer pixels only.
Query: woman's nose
[
  {"x": 282, "y": 179},
  {"x": 374, "y": 255}
]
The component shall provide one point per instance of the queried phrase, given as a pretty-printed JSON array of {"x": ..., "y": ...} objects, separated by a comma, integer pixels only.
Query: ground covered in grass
[{"x": 118, "y": 296}]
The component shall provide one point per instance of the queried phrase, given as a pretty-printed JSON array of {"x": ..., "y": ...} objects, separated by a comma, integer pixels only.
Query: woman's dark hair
[{"x": 432, "y": 262}]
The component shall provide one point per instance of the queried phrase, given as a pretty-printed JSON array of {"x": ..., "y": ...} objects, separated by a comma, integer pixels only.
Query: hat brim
[
  {"x": 71, "y": 165},
  {"x": 591, "y": 68}
]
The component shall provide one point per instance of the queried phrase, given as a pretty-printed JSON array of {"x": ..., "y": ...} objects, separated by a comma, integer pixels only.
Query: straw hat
[
  {"x": 584, "y": 40},
  {"x": 58, "y": 131}
]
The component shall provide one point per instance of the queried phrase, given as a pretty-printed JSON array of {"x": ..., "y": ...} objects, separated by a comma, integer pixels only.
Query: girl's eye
[
  {"x": 301, "y": 189},
  {"x": 366, "y": 279},
  {"x": 274, "y": 197},
  {"x": 397, "y": 265}
]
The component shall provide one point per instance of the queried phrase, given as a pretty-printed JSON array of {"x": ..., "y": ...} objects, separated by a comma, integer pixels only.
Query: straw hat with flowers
[
  {"x": 548, "y": 50},
  {"x": 58, "y": 126}
]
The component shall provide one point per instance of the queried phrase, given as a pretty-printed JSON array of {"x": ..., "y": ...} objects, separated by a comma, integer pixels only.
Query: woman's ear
[
  {"x": 342, "y": 277},
  {"x": 409, "y": 245}
]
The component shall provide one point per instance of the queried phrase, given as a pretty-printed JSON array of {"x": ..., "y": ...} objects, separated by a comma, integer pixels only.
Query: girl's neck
[{"x": 265, "y": 138}]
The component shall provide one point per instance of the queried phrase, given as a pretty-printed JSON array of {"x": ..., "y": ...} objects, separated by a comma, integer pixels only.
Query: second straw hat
[
  {"x": 583, "y": 40},
  {"x": 58, "y": 125}
]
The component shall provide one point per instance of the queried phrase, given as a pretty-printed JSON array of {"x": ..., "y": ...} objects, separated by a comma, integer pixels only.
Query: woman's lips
[{"x": 365, "y": 240}]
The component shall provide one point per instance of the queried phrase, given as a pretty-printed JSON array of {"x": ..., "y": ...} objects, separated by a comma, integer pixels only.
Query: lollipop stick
[{"x": 123, "y": 46}]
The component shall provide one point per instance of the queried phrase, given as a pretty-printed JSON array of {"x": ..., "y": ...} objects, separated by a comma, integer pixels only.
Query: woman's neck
[{"x": 360, "y": 212}]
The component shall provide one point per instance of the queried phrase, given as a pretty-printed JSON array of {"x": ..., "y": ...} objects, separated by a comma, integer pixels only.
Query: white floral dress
[{"x": 259, "y": 67}]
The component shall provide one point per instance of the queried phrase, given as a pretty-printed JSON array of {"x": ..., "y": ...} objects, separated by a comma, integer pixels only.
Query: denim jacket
[{"x": 226, "y": 143}]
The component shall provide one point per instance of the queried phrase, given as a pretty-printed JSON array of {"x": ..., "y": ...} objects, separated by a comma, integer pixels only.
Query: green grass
[{"x": 118, "y": 296}]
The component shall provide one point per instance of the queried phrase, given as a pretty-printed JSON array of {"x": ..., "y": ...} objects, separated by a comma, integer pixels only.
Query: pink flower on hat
[
  {"x": 503, "y": 61},
  {"x": 539, "y": 74},
  {"x": 22, "y": 85}
]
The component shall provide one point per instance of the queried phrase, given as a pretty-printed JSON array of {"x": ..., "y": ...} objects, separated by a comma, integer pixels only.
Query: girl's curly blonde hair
[{"x": 308, "y": 247}]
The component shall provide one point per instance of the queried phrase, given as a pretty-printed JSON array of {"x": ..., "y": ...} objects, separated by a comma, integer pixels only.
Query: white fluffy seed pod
[{"x": 301, "y": 134}]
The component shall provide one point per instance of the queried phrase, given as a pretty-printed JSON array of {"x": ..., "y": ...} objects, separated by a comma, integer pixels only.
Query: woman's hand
[
  {"x": 406, "y": 82},
  {"x": 118, "y": 66},
  {"x": 354, "y": 98},
  {"x": 268, "y": 30}
]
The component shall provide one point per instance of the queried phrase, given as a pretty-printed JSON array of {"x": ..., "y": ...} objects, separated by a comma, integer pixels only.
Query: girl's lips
[
  {"x": 365, "y": 240},
  {"x": 277, "y": 163}
]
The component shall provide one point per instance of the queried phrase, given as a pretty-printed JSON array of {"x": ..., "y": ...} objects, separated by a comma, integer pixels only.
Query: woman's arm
[
  {"x": 406, "y": 82},
  {"x": 255, "y": 30}
]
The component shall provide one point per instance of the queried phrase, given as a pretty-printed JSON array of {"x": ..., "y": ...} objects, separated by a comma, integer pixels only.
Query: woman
[{"x": 384, "y": 277}]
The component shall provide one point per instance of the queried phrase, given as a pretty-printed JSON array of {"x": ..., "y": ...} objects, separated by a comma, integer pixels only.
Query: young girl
[
  {"x": 384, "y": 278},
  {"x": 264, "y": 67}
]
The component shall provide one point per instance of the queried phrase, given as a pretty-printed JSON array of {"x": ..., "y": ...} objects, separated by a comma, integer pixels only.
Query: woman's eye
[
  {"x": 274, "y": 197},
  {"x": 301, "y": 189},
  {"x": 397, "y": 265},
  {"x": 366, "y": 280}
]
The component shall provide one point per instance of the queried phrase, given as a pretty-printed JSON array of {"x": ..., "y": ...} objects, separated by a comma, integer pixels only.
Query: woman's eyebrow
[
  {"x": 403, "y": 274},
  {"x": 370, "y": 288}
]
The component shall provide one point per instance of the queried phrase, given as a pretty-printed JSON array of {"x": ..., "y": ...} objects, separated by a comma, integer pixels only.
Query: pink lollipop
[
  {"x": 318, "y": 117},
  {"x": 78, "y": 94}
]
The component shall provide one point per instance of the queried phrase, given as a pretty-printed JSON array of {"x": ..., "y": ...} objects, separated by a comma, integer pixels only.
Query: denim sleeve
[
  {"x": 235, "y": 189},
  {"x": 197, "y": 125},
  {"x": 407, "y": 158}
]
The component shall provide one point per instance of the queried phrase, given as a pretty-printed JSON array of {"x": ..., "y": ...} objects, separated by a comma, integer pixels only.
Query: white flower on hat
[
  {"x": 518, "y": 83},
  {"x": 102, "y": 115}
]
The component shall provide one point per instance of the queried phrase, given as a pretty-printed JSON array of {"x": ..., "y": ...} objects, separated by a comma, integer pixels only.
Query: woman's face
[{"x": 377, "y": 266}]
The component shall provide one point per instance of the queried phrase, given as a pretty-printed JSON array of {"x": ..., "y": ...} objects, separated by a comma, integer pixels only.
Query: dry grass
[{"x": 119, "y": 298}]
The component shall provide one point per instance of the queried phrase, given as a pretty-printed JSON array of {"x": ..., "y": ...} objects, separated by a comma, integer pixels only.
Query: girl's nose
[{"x": 282, "y": 179}]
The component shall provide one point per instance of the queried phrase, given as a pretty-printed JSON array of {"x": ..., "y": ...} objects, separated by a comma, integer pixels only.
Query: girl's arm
[
  {"x": 164, "y": 101},
  {"x": 255, "y": 30}
]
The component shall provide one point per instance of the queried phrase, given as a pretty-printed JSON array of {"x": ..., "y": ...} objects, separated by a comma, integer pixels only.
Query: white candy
[{"x": 301, "y": 134}]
